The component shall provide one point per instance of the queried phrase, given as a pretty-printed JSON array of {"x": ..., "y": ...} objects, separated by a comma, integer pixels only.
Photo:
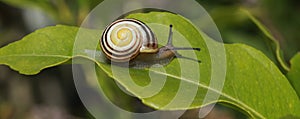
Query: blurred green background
[{"x": 52, "y": 92}]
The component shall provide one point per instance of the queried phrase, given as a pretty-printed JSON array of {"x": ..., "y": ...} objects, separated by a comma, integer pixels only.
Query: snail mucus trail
[{"x": 131, "y": 43}]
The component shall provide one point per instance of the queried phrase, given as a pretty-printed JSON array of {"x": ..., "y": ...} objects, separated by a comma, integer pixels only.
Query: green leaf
[
  {"x": 294, "y": 74},
  {"x": 43, "y": 48},
  {"x": 253, "y": 83},
  {"x": 255, "y": 76}
]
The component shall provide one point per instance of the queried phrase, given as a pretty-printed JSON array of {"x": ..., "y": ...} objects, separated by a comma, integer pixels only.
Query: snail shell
[
  {"x": 130, "y": 40},
  {"x": 124, "y": 39}
]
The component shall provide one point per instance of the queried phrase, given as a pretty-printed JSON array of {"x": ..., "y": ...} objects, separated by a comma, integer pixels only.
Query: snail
[{"x": 130, "y": 42}]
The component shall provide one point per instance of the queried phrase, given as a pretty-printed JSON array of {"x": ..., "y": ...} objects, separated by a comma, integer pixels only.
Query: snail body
[{"x": 131, "y": 42}]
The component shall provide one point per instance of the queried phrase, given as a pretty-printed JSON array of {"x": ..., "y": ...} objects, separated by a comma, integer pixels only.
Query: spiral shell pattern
[{"x": 124, "y": 39}]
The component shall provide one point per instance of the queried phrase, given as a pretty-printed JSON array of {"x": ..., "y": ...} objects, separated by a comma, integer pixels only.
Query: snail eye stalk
[
  {"x": 170, "y": 36},
  {"x": 177, "y": 55}
]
